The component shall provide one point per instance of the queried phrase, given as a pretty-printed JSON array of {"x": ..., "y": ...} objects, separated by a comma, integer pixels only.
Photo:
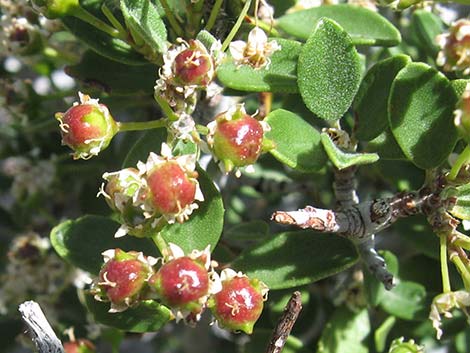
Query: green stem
[
  {"x": 457, "y": 261},
  {"x": 463, "y": 158},
  {"x": 237, "y": 25},
  {"x": 161, "y": 244},
  {"x": 114, "y": 21},
  {"x": 169, "y": 15},
  {"x": 203, "y": 130},
  {"x": 461, "y": 240},
  {"x": 87, "y": 17},
  {"x": 169, "y": 113},
  {"x": 444, "y": 268},
  {"x": 213, "y": 16},
  {"x": 141, "y": 125}
]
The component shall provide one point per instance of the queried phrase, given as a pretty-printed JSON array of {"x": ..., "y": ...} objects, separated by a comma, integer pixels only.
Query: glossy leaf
[
  {"x": 293, "y": 259},
  {"x": 346, "y": 331},
  {"x": 370, "y": 103},
  {"x": 364, "y": 26},
  {"x": 279, "y": 76},
  {"x": 426, "y": 26},
  {"x": 81, "y": 242},
  {"x": 147, "y": 316},
  {"x": 342, "y": 159},
  {"x": 407, "y": 300},
  {"x": 151, "y": 141},
  {"x": 297, "y": 143},
  {"x": 204, "y": 226},
  {"x": 113, "y": 77},
  {"x": 421, "y": 107},
  {"x": 329, "y": 71},
  {"x": 462, "y": 207},
  {"x": 144, "y": 20}
]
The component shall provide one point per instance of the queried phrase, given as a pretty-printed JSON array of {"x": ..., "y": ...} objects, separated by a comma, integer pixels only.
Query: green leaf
[
  {"x": 342, "y": 159},
  {"x": 143, "y": 18},
  {"x": 329, "y": 71},
  {"x": 280, "y": 76},
  {"x": 426, "y": 26},
  {"x": 102, "y": 43},
  {"x": 297, "y": 142},
  {"x": 147, "y": 316},
  {"x": 420, "y": 108},
  {"x": 459, "y": 86},
  {"x": 151, "y": 141},
  {"x": 258, "y": 342},
  {"x": 364, "y": 26},
  {"x": 381, "y": 334},
  {"x": 253, "y": 230},
  {"x": 293, "y": 259},
  {"x": 370, "y": 103},
  {"x": 462, "y": 207},
  {"x": 205, "y": 224},
  {"x": 407, "y": 300},
  {"x": 345, "y": 332},
  {"x": 81, "y": 241},
  {"x": 113, "y": 77},
  {"x": 386, "y": 146}
]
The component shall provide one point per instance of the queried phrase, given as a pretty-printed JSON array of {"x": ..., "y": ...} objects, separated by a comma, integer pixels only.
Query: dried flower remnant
[
  {"x": 462, "y": 114},
  {"x": 444, "y": 303},
  {"x": 256, "y": 51},
  {"x": 455, "y": 47}
]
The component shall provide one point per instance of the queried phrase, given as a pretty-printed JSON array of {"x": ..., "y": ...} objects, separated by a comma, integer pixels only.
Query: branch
[
  {"x": 286, "y": 322},
  {"x": 39, "y": 328}
]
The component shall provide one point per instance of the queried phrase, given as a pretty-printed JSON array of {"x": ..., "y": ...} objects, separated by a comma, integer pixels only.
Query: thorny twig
[
  {"x": 39, "y": 328},
  {"x": 285, "y": 324}
]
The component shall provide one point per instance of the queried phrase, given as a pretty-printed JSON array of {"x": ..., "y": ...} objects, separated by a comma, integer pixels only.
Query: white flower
[
  {"x": 443, "y": 305},
  {"x": 184, "y": 128},
  {"x": 256, "y": 51}
]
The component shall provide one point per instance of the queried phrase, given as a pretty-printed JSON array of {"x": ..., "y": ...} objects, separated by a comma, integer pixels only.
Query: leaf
[
  {"x": 420, "y": 109},
  {"x": 462, "y": 207},
  {"x": 459, "y": 86},
  {"x": 151, "y": 141},
  {"x": 297, "y": 143},
  {"x": 407, "y": 301},
  {"x": 293, "y": 259},
  {"x": 364, "y": 26},
  {"x": 143, "y": 18},
  {"x": 386, "y": 146},
  {"x": 81, "y": 241},
  {"x": 260, "y": 337},
  {"x": 147, "y": 316},
  {"x": 329, "y": 71},
  {"x": 370, "y": 103},
  {"x": 204, "y": 226},
  {"x": 342, "y": 159},
  {"x": 345, "y": 332},
  {"x": 113, "y": 77},
  {"x": 426, "y": 26},
  {"x": 280, "y": 76},
  {"x": 253, "y": 230},
  {"x": 380, "y": 335}
]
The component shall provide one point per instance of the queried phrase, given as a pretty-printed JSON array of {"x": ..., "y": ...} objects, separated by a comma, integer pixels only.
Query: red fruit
[
  {"x": 123, "y": 277},
  {"x": 181, "y": 283},
  {"x": 193, "y": 66},
  {"x": 171, "y": 188},
  {"x": 79, "y": 346},
  {"x": 239, "y": 304},
  {"x": 239, "y": 140}
]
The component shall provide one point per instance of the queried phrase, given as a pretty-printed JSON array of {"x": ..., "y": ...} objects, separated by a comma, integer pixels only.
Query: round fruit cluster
[{"x": 187, "y": 284}]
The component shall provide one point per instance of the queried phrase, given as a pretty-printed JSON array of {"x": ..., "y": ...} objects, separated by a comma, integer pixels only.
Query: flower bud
[
  {"x": 455, "y": 46},
  {"x": 236, "y": 138},
  {"x": 87, "y": 128},
  {"x": 79, "y": 346},
  {"x": 122, "y": 277},
  {"x": 193, "y": 66},
  {"x": 239, "y": 303}
]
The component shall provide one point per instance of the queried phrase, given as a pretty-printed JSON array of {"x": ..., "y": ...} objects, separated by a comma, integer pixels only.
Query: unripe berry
[
  {"x": 181, "y": 283},
  {"x": 122, "y": 277},
  {"x": 239, "y": 304},
  {"x": 193, "y": 66},
  {"x": 171, "y": 188},
  {"x": 79, "y": 346},
  {"x": 87, "y": 128}
]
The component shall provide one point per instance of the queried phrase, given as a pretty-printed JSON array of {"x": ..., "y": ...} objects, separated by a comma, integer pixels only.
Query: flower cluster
[
  {"x": 455, "y": 47},
  {"x": 444, "y": 303},
  {"x": 165, "y": 187},
  {"x": 187, "y": 284}
]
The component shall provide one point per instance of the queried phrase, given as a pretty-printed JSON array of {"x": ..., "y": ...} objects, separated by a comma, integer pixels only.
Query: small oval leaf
[
  {"x": 462, "y": 207},
  {"x": 151, "y": 141},
  {"x": 364, "y": 26},
  {"x": 297, "y": 142},
  {"x": 426, "y": 26},
  {"x": 147, "y": 316},
  {"x": 329, "y": 71},
  {"x": 421, "y": 106},
  {"x": 81, "y": 241},
  {"x": 293, "y": 259},
  {"x": 407, "y": 300},
  {"x": 342, "y": 159},
  {"x": 279, "y": 76}
]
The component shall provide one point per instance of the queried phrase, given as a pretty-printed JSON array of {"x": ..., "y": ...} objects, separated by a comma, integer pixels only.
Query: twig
[
  {"x": 39, "y": 328},
  {"x": 286, "y": 322}
]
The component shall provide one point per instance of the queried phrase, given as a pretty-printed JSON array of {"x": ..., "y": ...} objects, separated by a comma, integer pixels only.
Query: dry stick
[
  {"x": 39, "y": 328},
  {"x": 285, "y": 324}
]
